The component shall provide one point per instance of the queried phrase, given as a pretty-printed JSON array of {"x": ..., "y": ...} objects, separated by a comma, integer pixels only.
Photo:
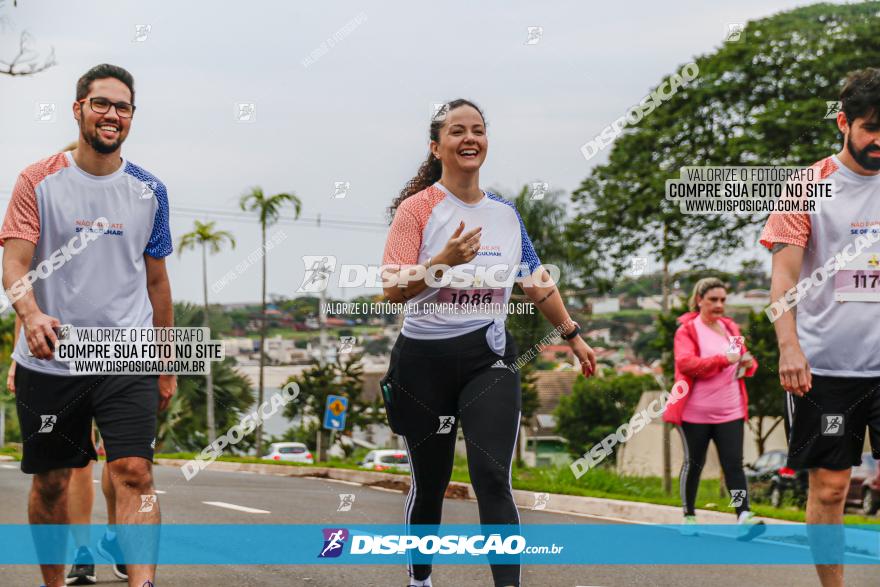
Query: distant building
[
  {"x": 603, "y": 334},
  {"x": 606, "y": 305},
  {"x": 650, "y": 302},
  {"x": 239, "y": 347},
  {"x": 638, "y": 369},
  {"x": 284, "y": 351},
  {"x": 550, "y": 385},
  {"x": 556, "y": 352}
]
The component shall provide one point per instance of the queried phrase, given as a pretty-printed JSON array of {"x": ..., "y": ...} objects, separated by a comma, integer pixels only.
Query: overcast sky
[{"x": 357, "y": 113}]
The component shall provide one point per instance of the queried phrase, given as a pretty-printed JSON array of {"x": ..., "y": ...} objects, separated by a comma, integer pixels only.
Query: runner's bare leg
[
  {"x": 825, "y": 504},
  {"x": 47, "y": 504},
  {"x": 132, "y": 477}
]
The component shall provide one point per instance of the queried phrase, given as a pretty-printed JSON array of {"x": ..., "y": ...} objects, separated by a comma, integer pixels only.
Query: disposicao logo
[{"x": 334, "y": 541}]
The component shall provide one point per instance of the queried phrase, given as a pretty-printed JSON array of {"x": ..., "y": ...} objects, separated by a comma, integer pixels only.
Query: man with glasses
[{"x": 114, "y": 278}]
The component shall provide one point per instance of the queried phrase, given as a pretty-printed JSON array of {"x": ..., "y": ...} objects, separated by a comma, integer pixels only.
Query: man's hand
[
  {"x": 39, "y": 334},
  {"x": 794, "y": 370},
  {"x": 585, "y": 355},
  {"x": 10, "y": 378},
  {"x": 167, "y": 389}
]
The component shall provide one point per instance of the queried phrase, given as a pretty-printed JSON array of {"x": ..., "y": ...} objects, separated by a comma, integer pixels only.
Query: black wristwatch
[{"x": 573, "y": 333}]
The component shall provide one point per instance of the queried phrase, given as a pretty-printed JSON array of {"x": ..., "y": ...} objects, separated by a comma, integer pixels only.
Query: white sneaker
[
  {"x": 689, "y": 526},
  {"x": 752, "y": 527}
]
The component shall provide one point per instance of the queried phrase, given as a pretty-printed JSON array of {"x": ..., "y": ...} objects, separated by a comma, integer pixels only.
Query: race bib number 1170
[{"x": 860, "y": 285}]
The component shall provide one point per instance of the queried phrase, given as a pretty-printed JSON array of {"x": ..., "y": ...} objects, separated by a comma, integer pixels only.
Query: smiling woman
[
  {"x": 442, "y": 219},
  {"x": 431, "y": 169}
]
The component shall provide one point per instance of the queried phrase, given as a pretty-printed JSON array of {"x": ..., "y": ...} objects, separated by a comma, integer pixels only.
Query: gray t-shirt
[
  {"x": 837, "y": 318},
  {"x": 89, "y": 273}
]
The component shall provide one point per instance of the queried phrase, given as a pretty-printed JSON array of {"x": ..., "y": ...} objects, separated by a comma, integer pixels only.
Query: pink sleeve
[
  {"x": 22, "y": 216},
  {"x": 404, "y": 238},
  {"x": 792, "y": 229},
  {"x": 688, "y": 361}
]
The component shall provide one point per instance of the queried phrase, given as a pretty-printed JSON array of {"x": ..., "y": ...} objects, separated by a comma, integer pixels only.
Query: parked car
[
  {"x": 386, "y": 460},
  {"x": 771, "y": 479},
  {"x": 864, "y": 486},
  {"x": 295, "y": 452}
]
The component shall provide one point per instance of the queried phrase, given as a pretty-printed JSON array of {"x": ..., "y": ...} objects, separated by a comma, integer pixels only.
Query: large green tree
[
  {"x": 205, "y": 237},
  {"x": 268, "y": 209},
  {"x": 758, "y": 101}
]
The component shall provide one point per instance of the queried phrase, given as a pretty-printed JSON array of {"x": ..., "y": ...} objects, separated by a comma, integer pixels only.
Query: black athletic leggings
[
  {"x": 437, "y": 385},
  {"x": 728, "y": 438}
]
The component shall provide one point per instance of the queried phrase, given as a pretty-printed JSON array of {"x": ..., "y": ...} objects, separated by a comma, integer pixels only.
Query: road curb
[{"x": 631, "y": 511}]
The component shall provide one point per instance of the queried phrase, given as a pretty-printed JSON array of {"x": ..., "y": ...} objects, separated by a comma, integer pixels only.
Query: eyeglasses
[{"x": 102, "y": 106}]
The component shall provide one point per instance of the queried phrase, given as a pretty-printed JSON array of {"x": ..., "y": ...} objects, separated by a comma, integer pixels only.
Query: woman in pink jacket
[{"x": 711, "y": 359}]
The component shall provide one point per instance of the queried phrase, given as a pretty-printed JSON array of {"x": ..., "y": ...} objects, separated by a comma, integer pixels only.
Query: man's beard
[
  {"x": 863, "y": 158},
  {"x": 100, "y": 146}
]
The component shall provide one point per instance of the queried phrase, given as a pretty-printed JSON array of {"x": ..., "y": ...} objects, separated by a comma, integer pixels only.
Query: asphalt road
[{"x": 291, "y": 500}]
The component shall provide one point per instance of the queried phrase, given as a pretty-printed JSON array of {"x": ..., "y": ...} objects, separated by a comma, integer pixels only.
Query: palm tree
[
  {"x": 268, "y": 208},
  {"x": 204, "y": 236}
]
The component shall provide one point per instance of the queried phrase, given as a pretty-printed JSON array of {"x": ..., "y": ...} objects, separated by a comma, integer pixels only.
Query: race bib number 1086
[{"x": 470, "y": 297}]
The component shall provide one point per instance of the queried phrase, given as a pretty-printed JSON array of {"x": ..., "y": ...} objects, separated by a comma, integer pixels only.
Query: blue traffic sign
[{"x": 334, "y": 413}]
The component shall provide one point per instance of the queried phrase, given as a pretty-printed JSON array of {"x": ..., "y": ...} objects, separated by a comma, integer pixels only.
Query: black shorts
[
  {"x": 55, "y": 415},
  {"x": 828, "y": 423}
]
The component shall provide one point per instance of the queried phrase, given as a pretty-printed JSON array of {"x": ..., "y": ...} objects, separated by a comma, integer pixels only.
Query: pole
[
  {"x": 667, "y": 441},
  {"x": 322, "y": 327}
]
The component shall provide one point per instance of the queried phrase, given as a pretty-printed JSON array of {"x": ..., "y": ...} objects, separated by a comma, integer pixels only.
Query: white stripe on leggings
[
  {"x": 510, "y": 478},
  {"x": 685, "y": 469},
  {"x": 410, "y": 501}
]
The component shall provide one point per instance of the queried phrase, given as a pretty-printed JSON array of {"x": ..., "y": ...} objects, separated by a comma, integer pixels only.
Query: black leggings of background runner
[
  {"x": 728, "y": 438},
  {"x": 464, "y": 378}
]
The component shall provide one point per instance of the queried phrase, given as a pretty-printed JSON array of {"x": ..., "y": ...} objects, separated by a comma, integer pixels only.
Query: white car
[
  {"x": 386, "y": 460},
  {"x": 295, "y": 452}
]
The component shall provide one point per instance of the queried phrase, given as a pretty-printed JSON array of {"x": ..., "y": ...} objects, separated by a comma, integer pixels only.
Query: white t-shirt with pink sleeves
[
  {"x": 837, "y": 336},
  {"x": 105, "y": 283},
  {"x": 423, "y": 224}
]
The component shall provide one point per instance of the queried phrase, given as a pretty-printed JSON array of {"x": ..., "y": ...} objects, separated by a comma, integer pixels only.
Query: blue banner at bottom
[{"x": 531, "y": 544}]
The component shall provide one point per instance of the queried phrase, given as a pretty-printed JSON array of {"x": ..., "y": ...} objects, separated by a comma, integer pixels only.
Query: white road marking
[
  {"x": 594, "y": 516},
  {"x": 232, "y": 506},
  {"x": 334, "y": 480},
  {"x": 377, "y": 488},
  {"x": 9, "y": 466}
]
